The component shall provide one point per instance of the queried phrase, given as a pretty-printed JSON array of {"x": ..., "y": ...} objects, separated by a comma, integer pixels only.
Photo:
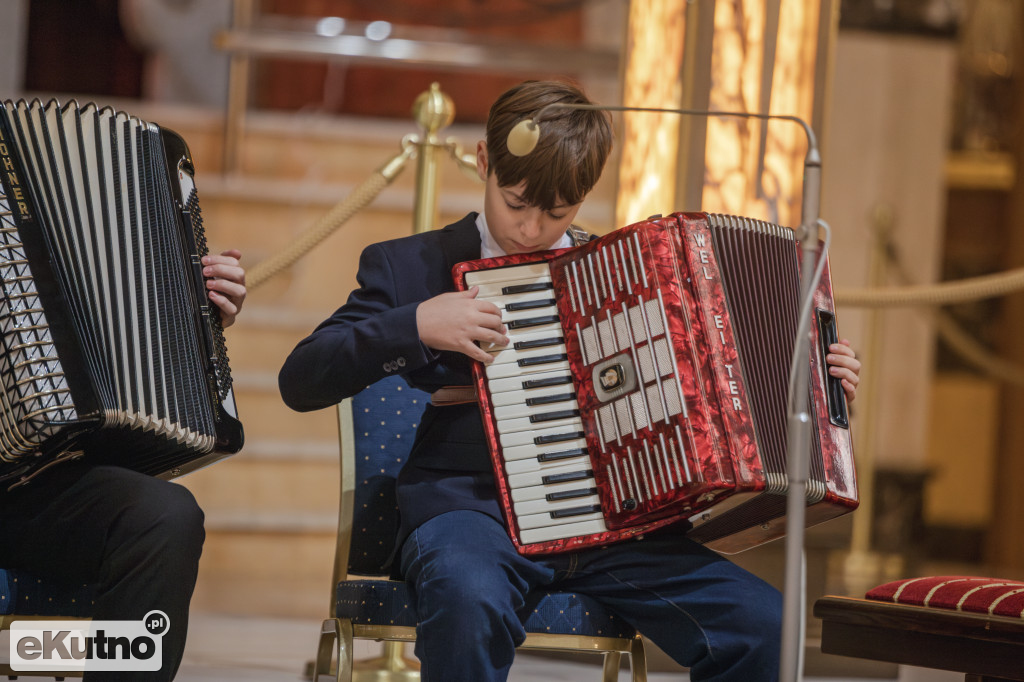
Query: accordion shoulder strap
[{"x": 578, "y": 235}]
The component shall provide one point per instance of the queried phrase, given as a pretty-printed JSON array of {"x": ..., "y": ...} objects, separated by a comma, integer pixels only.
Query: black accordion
[{"x": 109, "y": 347}]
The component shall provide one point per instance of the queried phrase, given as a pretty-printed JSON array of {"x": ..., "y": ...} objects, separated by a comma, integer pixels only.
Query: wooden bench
[{"x": 958, "y": 623}]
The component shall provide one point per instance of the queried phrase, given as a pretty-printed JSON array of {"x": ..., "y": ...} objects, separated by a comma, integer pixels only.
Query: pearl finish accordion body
[
  {"x": 646, "y": 385},
  {"x": 109, "y": 347}
]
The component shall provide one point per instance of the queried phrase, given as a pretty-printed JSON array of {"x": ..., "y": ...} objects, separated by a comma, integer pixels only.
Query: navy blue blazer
[{"x": 373, "y": 335}]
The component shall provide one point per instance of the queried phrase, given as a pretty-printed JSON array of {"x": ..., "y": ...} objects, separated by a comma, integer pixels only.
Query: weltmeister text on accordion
[{"x": 645, "y": 385}]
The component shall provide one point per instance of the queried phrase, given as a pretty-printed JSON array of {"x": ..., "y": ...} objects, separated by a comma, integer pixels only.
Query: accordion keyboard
[{"x": 540, "y": 431}]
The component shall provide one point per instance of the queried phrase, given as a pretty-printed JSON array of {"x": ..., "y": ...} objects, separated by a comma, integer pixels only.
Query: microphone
[
  {"x": 523, "y": 139},
  {"x": 524, "y": 136}
]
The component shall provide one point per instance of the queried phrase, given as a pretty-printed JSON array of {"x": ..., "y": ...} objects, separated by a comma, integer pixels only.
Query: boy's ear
[{"x": 481, "y": 160}]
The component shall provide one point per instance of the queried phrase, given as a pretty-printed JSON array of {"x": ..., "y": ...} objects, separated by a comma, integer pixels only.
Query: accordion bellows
[
  {"x": 109, "y": 347},
  {"x": 646, "y": 385}
]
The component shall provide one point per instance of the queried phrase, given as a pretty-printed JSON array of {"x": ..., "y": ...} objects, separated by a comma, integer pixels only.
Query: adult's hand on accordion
[
  {"x": 226, "y": 283},
  {"x": 456, "y": 320},
  {"x": 844, "y": 365}
]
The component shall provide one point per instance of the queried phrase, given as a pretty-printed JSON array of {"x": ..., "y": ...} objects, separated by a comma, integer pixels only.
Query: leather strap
[{"x": 453, "y": 395}]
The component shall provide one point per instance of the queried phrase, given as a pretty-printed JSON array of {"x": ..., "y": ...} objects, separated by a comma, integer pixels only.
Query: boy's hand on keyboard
[{"x": 456, "y": 320}]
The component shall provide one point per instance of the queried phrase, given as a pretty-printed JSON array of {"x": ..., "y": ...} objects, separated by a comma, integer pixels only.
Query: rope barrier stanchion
[{"x": 331, "y": 221}]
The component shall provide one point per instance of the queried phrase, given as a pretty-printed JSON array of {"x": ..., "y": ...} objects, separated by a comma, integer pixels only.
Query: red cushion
[{"x": 960, "y": 593}]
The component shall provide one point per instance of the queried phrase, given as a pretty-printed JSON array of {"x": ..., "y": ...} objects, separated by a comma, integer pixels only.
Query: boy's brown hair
[{"x": 571, "y": 151}]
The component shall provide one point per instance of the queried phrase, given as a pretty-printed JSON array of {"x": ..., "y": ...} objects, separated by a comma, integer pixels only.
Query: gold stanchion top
[{"x": 433, "y": 110}]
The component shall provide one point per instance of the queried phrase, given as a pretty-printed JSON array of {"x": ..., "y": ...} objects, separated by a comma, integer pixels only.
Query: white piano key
[
  {"x": 523, "y": 410},
  {"x": 543, "y": 435},
  {"x": 528, "y": 471},
  {"x": 510, "y": 428},
  {"x": 539, "y": 485},
  {"x": 578, "y": 528},
  {"x": 534, "y": 382},
  {"x": 552, "y": 327},
  {"x": 577, "y": 483},
  {"x": 529, "y": 508},
  {"x": 528, "y": 297},
  {"x": 510, "y": 354},
  {"x": 506, "y": 398},
  {"x": 545, "y": 519},
  {"x": 515, "y": 273},
  {"x": 522, "y": 316},
  {"x": 528, "y": 335},
  {"x": 512, "y": 369},
  {"x": 531, "y": 450},
  {"x": 524, "y": 283}
]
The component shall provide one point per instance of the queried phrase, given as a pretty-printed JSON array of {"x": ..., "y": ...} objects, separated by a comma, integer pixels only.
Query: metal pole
[
  {"x": 798, "y": 438},
  {"x": 238, "y": 88},
  {"x": 433, "y": 110}
]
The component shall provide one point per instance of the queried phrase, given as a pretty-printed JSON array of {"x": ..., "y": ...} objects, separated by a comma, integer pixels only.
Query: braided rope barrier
[
  {"x": 942, "y": 293},
  {"x": 331, "y": 221},
  {"x": 932, "y": 296}
]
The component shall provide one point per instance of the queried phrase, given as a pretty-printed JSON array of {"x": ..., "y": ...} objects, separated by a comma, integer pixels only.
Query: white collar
[{"x": 489, "y": 247}]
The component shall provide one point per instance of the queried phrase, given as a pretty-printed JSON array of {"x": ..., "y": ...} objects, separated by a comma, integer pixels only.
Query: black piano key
[
  {"x": 561, "y": 454},
  {"x": 568, "y": 476},
  {"x": 548, "y": 399},
  {"x": 542, "y": 359},
  {"x": 575, "y": 511},
  {"x": 524, "y": 288},
  {"x": 558, "y": 437},
  {"x": 529, "y": 305},
  {"x": 527, "y": 322},
  {"x": 550, "y": 381},
  {"x": 538, "y": 343},
  {"x": 553, "y": 416},
  {"x": 570, "y": 494}
]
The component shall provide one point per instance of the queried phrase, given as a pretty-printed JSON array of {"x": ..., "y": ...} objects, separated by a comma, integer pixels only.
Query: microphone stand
[{"x": 799, "y": 419}]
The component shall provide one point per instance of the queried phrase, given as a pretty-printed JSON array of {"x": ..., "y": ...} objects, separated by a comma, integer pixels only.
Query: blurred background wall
[{"x": 916, "y": 107}]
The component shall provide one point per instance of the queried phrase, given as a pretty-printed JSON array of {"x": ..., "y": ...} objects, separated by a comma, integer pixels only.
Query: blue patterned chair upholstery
[
  {"x": 25, "y": 597},
  {"x": 376, "y": 430}
]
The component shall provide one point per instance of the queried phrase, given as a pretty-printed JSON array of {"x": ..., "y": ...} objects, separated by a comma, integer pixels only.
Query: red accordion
[{"x": 646, "y": 385}]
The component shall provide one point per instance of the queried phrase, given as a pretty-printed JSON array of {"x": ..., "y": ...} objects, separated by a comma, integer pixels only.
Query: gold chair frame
[{"x": 338, "y": 634}]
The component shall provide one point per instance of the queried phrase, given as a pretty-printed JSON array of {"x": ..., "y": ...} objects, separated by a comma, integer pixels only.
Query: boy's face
[{"x": 516, "y": 226}]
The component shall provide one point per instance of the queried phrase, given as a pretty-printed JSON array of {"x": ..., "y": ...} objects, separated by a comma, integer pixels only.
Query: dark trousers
[
  {"x": 469, "y": 583},
  {"x": 137, "y": 538}
]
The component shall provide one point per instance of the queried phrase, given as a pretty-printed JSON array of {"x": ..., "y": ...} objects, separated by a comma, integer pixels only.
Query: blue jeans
[{"x": 702, "y": 610}]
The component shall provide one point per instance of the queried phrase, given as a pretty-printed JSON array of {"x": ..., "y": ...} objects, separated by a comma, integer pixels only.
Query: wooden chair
[
  {"x": 964, "y": 624},
  {"x": 376, "y": 430}
]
